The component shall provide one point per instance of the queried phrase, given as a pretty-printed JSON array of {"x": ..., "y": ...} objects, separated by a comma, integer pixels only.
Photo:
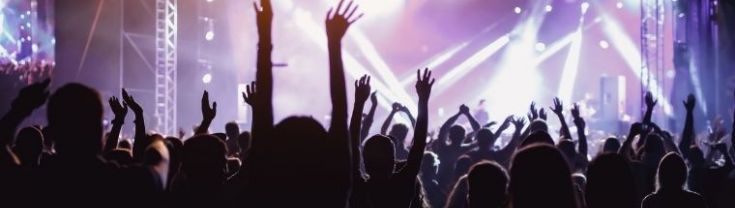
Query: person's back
[
  {"x": 672, "y": 174},
  {"x": 77, "y": 176},
  {"x": 386, "y": 187},
  {"x": 487, "y": 185},
  {"x": 610, "y": 183},
  {"x": 202, "y": 180},
  {"x": 540, "y": 177}
]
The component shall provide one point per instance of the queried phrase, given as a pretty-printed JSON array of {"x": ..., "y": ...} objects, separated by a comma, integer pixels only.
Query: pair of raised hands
[{"x": 120, "y": 109}]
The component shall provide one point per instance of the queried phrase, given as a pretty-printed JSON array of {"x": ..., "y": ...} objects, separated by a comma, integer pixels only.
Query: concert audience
[{"x": 297, "y": 162}]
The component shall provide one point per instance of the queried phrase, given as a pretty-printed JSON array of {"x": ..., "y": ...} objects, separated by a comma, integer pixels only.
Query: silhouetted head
[
  {"x": 672, "y": 173},
  {"x": 429, "y": 165},
  {"x": 538, "y": 125},
  {"x": 612, "y": 145},
  {"x": 462, "y": 166},
  {"x": 204, "y": 158},
  {"x": 538, "y": 137},
  {"x": 456, "y": 134},
  {"x": 487, "y": 184},
  {"x": 232, "y": 130},
  {"x": 301, "y": 142},
  {"x": 124, "y": 144},
  {"x": 379, "y": 157},
  {"x": 485, "y": 138},
  {"x": 696, "y": 156},
  {"x": 74, "y": 114},
  {"x": 120, "y": 156},
  {"x": 244, "y": 141},
  {"x": 176, "y": 154},
  {"x": 610, "y": 183},
  {"x": 653, "y": 150},
  {"x": 399, "y": 131},
  {"x": 540, "y": 177},
  {"x": 29, "y": 146}
]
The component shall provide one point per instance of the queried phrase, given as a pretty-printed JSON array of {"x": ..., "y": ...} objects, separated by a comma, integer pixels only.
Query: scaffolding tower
[
  {"x": 165, "y": 69},
  {"x": 652, "y": 48}
]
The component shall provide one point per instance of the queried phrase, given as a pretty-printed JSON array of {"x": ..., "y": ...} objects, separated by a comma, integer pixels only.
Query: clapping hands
[{"x": 690, "y": 103}]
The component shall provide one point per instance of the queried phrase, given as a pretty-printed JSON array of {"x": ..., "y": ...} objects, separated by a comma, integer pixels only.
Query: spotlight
[
  {"x": 548, "y": 8},
  {"x": 207, "y": 78},
  {"x": 210, "y": 1},
  {"x": 540, "y": 46},
  {"x": 209, "y": 35},
  {"x": 517, "y": 10},
  {"x": 604, "y": 44},
  {"x": 584, "y": 7},
  {"x": 619, "y": 5}
]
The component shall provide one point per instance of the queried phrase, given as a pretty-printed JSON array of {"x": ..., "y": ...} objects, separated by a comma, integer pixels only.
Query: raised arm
[
  {"x": 263, "y": 105},
  {"x": 626, "y": 149},
  {"x": 29, "y": 98},
  {"x": 650, "y": 104},
  {"x": 208, "y": 114},
  {"x": 687, "y": 135},
  {"x": 581, "y": 136},
  {"x": 405, "y": 110},
  {"x": 337, "y": 22},
  {"x": 508, "y": 150},
  {"x": 120, "y": 110},
  {"x": 367, "y": 122},
  {"x": 141, "y": 139},
  {"x": 558, "y": 109},
  {"x": 362, "y": 91},
  {"x": 386, "y": 124},
  {"x": 415, "y": 155},
  {"x": 466, "y": 112}
]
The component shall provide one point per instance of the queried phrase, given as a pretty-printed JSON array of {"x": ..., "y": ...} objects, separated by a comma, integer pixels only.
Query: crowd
[{"x": 74, "y": 162}]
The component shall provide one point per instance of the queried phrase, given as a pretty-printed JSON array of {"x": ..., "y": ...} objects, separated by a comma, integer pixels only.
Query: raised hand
[
  {"x": 362, "y": 89},
  {"x": 249, "y": 94},
  {"x": 463, "y": 109},
  {"x": 208, "y": 112},
  {"x": 264, "y": 17},
  {"x": 339, "y": 20},
  {"x": 533, "y": 112},
  {"x": 542, "y": 114},
  {"x": 690, "y": 102},
  {"x": 488, "y": 125},
  {"x": 650, "y": 101},
  {"x": 578, "y": 120},
  {"x": 518, "y": 122},
  {"x": 31, "y": 97},
  {"x": 558, "y": 108},
  {"x": 373, "y": 98},
  {"x": 120, "y": 110},
  {"x": 397, "y": 107},
  {"x": 130, "y": 101},
  {"x": 506, "y": 123},
  {"x": 424, "y": 84}
]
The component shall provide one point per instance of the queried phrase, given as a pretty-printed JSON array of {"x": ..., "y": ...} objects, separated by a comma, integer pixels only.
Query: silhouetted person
[
  {"x": 386, "y": 186},
  {"x": 540, "y": 177},
  {"x": 201, "y": 182},
  {"x": 432, "y": 190},
  {"x": 233, "y": 144},
  {"x": 398, "y": 132},
  {"x": 486, "y": 142},
  {"x": 671, "y": 177},
  {"x": 611, "y": 145},
  {"x": 610, "y": 183},
  {"x": 537, "y": 137},
  {"x": 487, "y": 185},
  {"x": 77, "y": 170},
  {"x": 29, "y": 146},
  {"x": 244, "y": 145},
  {"x": 455, "y": 135}
]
